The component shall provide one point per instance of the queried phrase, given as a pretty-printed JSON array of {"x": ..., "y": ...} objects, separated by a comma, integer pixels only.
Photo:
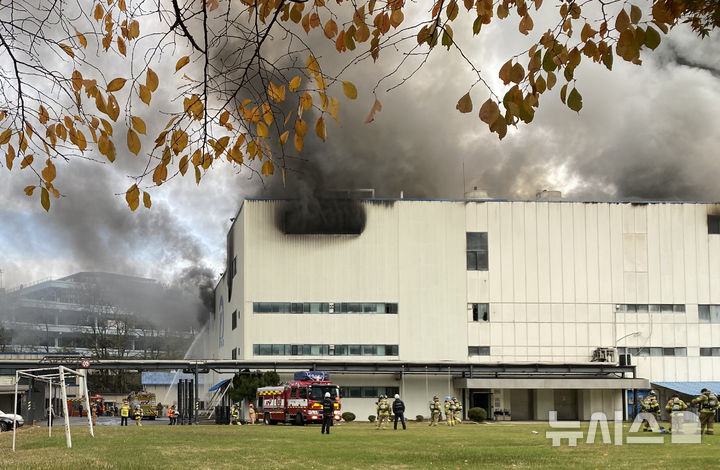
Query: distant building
[
  {"x": 101, "y": 315},
  {"x": 537, "y": 305}
]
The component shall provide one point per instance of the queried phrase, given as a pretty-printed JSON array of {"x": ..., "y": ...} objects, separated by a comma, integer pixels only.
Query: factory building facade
[{"x": 533, "y": 305}]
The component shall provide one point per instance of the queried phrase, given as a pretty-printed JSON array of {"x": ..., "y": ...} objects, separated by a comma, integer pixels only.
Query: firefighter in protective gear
[
  {"x": 434, "y": 411},
  {"x": 251, "y": 413},
  {"x": 383, "y": 412},
  {"x": 708, "y": 404},
  {"x": 328, "y": 411},
  {"x": 171, "y": 415},
  {"x": 650, "y": 405},
  {"x": 674, "y": 408},
  {"x": 458, "y": 411},
  {"x": 234, "y": 415},
  {"x": 137, "y": 414},
  {"x": 449, "y": 411},
  {"x": 124, "y": 413}
]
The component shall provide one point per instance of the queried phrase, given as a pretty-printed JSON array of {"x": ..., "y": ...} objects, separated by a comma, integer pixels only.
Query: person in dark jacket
[
  {"x": 398, "y": 408},
  {"x": 328, "y": 411}
]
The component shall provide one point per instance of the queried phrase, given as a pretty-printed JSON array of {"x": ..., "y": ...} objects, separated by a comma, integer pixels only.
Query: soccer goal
[{"x": 54, "y": 376}]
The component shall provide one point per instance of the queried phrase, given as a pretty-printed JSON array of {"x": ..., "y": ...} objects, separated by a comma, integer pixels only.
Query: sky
[{"x": 644, "y": 132}]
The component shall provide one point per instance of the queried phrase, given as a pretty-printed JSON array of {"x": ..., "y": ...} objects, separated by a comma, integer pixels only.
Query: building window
[
  {"x": 233, "y": 354},
  {"x": 476, "y": 251},
  {"x": 368, "y": 392},
  {"x": 380, "y": 308},
  {"x": 651, "y": 308},
  {"x": 480, "y": 312},
  {"x": 234, "y": 319},
  {"x": 709, "y": 313},
  {"x": 325, "y": 350},
  {"x": 655, "y": 351},
  {"x": 478, "y": 351},
  {"x": 710, "y": 352},
  {"x": 713, "y": 222}
]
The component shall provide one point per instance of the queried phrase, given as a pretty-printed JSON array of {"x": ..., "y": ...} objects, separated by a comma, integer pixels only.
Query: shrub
[
  {"x": 371, "y": 418},
  {"x": 477, "y": 414},
  {"x": 419, "y": 418},
  {"x": 348, "y": 417}
]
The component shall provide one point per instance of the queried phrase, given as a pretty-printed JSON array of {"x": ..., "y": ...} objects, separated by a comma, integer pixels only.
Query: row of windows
[
  {"x": 710, "y": 351},
  {"x": 654, "y": 351},
  {"x": 476, "y": 251},
  {"x": 478, "y": 351},
  {"x": 368, "y": 392},
  {"x": 709, "y": 313},
  {"x": 325, "y": 349},
  {"x": 324, "y": 307},
  {"x": 650, "y": 308}
]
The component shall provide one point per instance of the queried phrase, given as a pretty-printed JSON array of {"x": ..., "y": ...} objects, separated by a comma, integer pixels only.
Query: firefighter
[
  {"x": 124, "y": 413},
  {"x": 674, "y": 408},
  {"x": 383, "y": 412},
  {"x": 234, "y": 415},
  {"x": 328, "y": 410},
  {"x": 137, "y": 414},
  {"x": 708, "y": 404},
  {"x": 650, "y": 405},
  {"x": 449, "y": 411},
  {"x": 398, "y": 408},
  {"x": 434, "y": 411},
  {"x": 458, "y": 411},
  {"x": 171, "y": 415},
  {"x": 251, "y": 413}
]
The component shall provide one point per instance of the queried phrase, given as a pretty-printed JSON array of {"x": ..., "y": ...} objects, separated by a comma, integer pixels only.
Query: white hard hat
[
  {"x": 397, "y": 396},
  {"x": 327, "y": 394}
]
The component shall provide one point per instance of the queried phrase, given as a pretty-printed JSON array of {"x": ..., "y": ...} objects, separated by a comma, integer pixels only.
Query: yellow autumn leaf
[
  {"x": 106, "y": 147},
  {"x": 464, "y": 105},
  {"x": 298, "y": 140},
  {"x": 146, "y": 200},
  {"x": 349, "y": 90},
  {"x": 98, "y": 13},
  {"x": 48, "y": 172},
  {"x": 300, "y": 127},
  {"x": 132, "y": 196},
  {"x": 116, "y": 85},
  {"x": 133, "y": 141},
  {"x": 183, "y": 165},
  {"x": 320, "y": 128},
  {"x": 45, "y": 199},
  {"x": 151, "y": 79},
  {"x": 145, "y": 94},
  {"x": 334, "y": 108},
  {"x": 284, "y": 137},
  {"x": 182, "y": 63},
  {"x": 224, "y": 118},
  {"x": 262, "y": 130},
  {"x": 138, "y": 124},
  {"x": 276, "y": 94},
  {"x": 81, "y": 38},
  {"x": 313, "y": 68},
  {"x": 268, "y": 168},
  {"x": 5, "y": 136},
  {"x": 29, "y": 190},
  {"x": 178, "y": 141},
  {"x": 68, "y": 50},
  {"x": 306, "y": 101},
  {"x": 295, "y": 84}
]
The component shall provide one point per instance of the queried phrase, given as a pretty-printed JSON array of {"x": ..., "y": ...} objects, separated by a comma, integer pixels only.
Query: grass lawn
[{"x": 351, "y": 445}]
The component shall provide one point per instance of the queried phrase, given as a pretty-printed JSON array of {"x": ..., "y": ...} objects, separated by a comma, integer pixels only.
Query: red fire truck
[{"x": 298, "y": 402}]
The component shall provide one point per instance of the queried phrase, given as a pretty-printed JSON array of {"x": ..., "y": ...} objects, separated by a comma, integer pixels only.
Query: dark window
[
  {"x": 477, "y": 251},
  {"x": 234, "y": 319},
  {"x": 478, "y": 351},
  {"x": 303, "y": 392},
  {"x": 709, "y": 313},
  {"x": 481, "y": 312},
  {"x": 679, "y": 308},
  {"x": 713, "y": 222},
  {"x": 668, "y": 351},
  {"x": 233, "y": 354},
  {"x": 681, "y": 352},
  {"x": 706, "y": 351}
]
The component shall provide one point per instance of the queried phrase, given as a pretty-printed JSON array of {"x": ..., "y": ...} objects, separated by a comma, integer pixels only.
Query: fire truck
[
  {"x": 298, "y": 402},
  {"x": 146, "y": 400}
]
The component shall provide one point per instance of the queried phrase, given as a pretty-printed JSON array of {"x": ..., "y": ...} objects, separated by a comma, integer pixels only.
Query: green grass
[{"x": 353, "y": 445}]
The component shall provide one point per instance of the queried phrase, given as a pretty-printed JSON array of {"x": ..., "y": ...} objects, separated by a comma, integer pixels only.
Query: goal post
[{"x": 53, "y": 376}]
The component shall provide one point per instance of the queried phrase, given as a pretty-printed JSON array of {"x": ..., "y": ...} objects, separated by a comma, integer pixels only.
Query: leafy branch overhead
[{"x": 180, "y": 88}]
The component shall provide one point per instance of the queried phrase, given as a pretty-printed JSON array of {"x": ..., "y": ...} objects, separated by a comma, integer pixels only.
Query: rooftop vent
[
  {"x": 476, "y": 193},
  {"x": 548, "y": 195}
]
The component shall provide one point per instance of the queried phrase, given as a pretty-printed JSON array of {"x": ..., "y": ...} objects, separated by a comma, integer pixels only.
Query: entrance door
[
  {"x": 481, "y": 399},
  {"x": 566, "y": 404},
  {"x": 521, "y": 404}
]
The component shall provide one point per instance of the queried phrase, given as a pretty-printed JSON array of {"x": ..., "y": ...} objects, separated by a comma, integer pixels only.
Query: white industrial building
[{"x": 532, "y": 305}]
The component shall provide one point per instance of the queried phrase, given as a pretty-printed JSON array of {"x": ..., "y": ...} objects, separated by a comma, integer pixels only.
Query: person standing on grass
[
  {"x": 458, "y": 411},
  {"x": 383, "y": 412},
  {"x": 251, "y": 413},
  {"x": 124, "y": 413},
  {"x": 398, "y": 408},
  {"x": 328, "y": 409},
  {"x": 708, "y": 404},
  {"x": 434, "y": 411},
  {"x": 137, "y": 414}
]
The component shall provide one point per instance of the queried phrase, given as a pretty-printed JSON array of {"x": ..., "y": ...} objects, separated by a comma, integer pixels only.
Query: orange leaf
[
  {"x": 132, "y": 196},
  {"x": 376, "y": 107},
  {"x": 182, "y": 63},
  {"x": 151, "y": 79},
  {"x": 133, "y": 141}
]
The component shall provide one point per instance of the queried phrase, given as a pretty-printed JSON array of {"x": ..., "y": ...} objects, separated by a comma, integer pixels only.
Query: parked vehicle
[
  {"x": 6, "y": 421},
  {"x": 147, "y": 403},
  {"x": 298, "y": 402}
]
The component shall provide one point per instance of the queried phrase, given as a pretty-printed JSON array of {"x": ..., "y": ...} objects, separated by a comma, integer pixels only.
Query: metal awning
[
  {"x": 690, "y": 388},
  {"x": 558, "y": 383},
  {"x": 218, "y": 385}
]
